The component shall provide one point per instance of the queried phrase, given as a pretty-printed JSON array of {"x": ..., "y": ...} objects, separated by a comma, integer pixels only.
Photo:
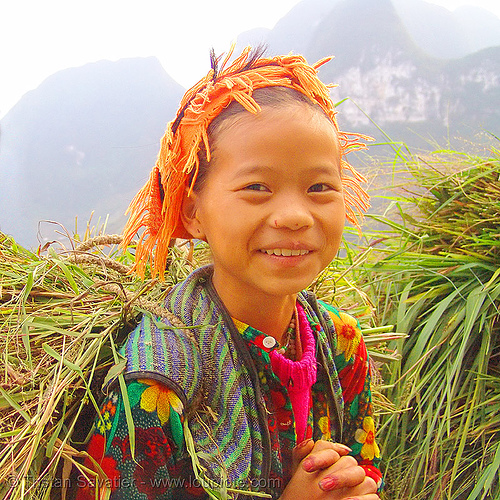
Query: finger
[
  {"x": 323, "y": 455},
  {"x": 342, "y": 463},
  {"x": 300, "y": 452},
  {"x": 340, "y": 448},
  {"x": 367, "y": 487},
  {"x": 347, "y": 477},
  {"x": 319, "y": 460}
]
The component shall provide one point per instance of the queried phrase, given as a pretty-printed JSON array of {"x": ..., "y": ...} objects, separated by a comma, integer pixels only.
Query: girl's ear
[{"x": 189, "y": 216}]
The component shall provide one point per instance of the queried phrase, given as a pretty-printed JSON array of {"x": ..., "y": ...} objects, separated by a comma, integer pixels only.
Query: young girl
[{"x": 247, "y": 386}]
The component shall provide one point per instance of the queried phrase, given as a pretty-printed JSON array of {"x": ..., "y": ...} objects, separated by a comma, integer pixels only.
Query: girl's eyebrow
[
  {"x": 250, "y": 170},
  {"x": 326, "y": 170}
]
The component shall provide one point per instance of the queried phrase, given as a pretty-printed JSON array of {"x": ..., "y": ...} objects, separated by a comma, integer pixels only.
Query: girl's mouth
[{"x": 285, "y": 252}]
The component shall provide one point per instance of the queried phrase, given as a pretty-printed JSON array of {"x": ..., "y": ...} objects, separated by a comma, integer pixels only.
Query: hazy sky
[{"x": 41, "y": 37}]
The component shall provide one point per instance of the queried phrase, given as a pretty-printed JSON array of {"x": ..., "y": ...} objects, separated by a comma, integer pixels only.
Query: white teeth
[{"x": 285, "y": 252}]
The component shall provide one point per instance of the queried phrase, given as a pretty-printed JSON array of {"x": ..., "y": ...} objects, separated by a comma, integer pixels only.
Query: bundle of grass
[
  {"x": 439, "y": 280},
  {"x": 61, "y": 319}
]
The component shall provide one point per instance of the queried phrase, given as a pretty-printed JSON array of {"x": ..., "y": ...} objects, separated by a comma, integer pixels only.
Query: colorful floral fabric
[
  {"x": 161, "y": 467},
  {"x": 353, "y": 367},
  {"x": 366, "y": 437},
  {"x": 294, "y": 378},
  {"x": 159, "y": 398}
]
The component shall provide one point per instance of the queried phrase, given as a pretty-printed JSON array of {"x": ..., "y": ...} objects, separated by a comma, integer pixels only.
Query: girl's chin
[{"x": 285, "y": 287}]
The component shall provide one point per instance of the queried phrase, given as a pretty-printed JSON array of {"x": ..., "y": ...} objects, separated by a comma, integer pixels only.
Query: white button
[{"x": 269, "y": 342}]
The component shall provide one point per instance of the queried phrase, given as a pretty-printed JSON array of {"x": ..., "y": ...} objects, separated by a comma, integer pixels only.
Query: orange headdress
[{"x": 157, "y": 206}]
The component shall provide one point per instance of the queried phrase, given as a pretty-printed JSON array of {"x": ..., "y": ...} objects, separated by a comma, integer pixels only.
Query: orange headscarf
[{"x": 159, "y": 212}]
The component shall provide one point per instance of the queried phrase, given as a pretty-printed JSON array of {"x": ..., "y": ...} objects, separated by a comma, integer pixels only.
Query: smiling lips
[{"x": 285, "y": 252}]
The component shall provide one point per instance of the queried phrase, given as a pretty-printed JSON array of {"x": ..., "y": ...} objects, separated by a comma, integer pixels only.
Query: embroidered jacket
[{"x": 206, "y": 374}]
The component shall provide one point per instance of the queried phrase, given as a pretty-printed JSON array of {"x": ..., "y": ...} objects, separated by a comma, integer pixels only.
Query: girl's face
[{"x": 271, "y": 207}]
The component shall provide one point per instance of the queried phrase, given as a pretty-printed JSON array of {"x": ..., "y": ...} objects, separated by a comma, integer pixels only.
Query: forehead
[
  {"x": 290, "y": 141},
  {"x": 272, "y": 117}
]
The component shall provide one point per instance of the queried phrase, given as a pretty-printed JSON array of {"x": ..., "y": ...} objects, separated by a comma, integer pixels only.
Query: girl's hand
[
  {"x": 319, "y": 455},
  {"x": 322, "y": 470}
]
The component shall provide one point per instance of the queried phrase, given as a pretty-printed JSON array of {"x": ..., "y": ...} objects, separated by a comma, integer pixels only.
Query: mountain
[
  {"x": 439, "y": 32},
  {"x": 83, "y": 141},
  {"x": 445, "y": 34},
  {"x": 393, "y": 73}
]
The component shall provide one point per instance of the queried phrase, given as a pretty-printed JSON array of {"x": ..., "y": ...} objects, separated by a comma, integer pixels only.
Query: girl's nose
[{"x": 292, "y": 216}]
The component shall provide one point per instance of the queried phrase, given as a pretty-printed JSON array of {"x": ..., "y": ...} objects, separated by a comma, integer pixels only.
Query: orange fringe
[{"x": 178, "y": 155}]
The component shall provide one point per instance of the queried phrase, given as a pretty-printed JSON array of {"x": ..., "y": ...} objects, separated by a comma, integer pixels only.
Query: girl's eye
[
  {"x": 319, "y": 188},
  {"x": 256, "y": 187}
]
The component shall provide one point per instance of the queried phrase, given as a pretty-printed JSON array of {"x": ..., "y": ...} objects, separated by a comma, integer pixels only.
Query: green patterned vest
[{"x": 201, "y": 356}]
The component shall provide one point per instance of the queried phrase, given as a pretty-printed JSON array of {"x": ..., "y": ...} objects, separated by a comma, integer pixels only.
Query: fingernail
[
  {"x": 308, "y": 464},
  {"x": 302, "y": 444},
  {"x": 329, "y": 483},
  {"x": 346, "y": 448}
]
